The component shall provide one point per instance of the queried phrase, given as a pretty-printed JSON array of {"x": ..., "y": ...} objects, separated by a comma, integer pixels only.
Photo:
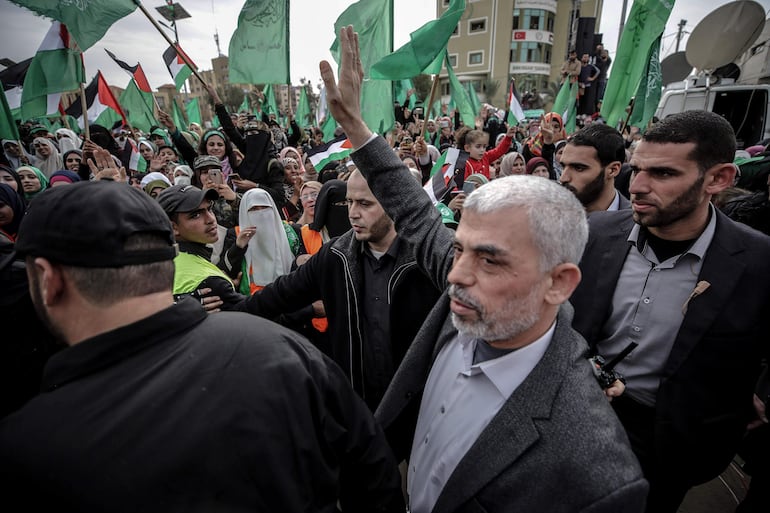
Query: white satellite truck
[{"x": 705, "y": 76}]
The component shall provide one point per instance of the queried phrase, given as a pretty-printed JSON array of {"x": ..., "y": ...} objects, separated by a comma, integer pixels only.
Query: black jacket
[{"x": 335, "y": 275}]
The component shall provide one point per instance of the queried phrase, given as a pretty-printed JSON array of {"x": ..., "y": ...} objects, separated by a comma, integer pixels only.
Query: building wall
[{"x": 532, "y": 52}]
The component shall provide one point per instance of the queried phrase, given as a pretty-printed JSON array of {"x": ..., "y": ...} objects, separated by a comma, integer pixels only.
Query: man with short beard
[
  {"x": 590, "y": 162},
  {"x": 494, "y": 406},
  {"x": 691, "y": 288}
]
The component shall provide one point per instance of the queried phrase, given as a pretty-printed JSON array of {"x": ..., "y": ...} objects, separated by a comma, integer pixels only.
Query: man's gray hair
[{"x": 557, "y": 220}]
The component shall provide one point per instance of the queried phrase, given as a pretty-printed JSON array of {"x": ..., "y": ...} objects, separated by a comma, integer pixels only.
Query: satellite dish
[
  {"x": 724, "y": 34},
  {"x": 675, "y": 68}
]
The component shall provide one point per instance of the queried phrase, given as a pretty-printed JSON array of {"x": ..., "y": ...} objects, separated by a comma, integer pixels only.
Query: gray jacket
[{"x": 555, "y": 445}]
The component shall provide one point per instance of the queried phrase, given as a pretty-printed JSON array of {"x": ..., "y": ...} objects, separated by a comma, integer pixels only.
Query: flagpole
[
  {"x": 431, "y": 99},
  {"x": 84, "y": 109},
  {"x": 170, "y": 42}
]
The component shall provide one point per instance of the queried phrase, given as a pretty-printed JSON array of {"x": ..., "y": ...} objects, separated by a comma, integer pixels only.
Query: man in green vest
[{"x": 190, "y": 210}]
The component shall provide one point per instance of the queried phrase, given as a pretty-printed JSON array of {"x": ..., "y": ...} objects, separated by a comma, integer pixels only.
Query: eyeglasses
[{"x": 312, "y": 195}]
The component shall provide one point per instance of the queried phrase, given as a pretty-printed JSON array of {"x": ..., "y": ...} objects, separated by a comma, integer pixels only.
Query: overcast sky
[{"x": 134, "y": 39}]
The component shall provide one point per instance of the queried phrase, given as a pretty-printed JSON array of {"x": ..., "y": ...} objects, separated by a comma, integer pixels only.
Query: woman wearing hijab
[
  {"x": 513, "y": 164},
  {"x": 538, "y": 166},
  {"x": 11, "y": 211},
  {"x": 63, "y": 177},
  {"x": 33, "y": 181},
  {"x": 292, "y": 208},
  {"x": 11, "y": 177},
  {"x": 15, "y": 154},
  {"x": 268, "y": 254},
  {"x": 47, "y": 158},
  {"x": 330, "y": 217},
  {"x": 72, "y": 159},
  {"x": 183, "y": 175},
  {"x": 148, "y": 150},
  {"x": 291, "y": 151},
  {"x": 68, "y": 140}
]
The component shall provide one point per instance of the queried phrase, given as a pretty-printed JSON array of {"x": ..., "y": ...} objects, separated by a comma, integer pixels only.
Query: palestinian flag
[
  {"x": 12, "y": 79},
  {"x": 177, "y": 65},
  {"x": 336, "y": 149},
  {"x": 135, "y": 71},
  {"x": 102, "y": 108},
  {"x": 515, "y": 112},
  {"x": 442, "y": 173},
  {"x": 56, "y": 67}
]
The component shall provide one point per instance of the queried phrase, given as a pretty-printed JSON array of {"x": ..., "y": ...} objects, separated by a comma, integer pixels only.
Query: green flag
[
  {"x": 269, "y": 106},
  {"x": 373, "y": 20},
  {"x": 244, "y": 104},
  {"x": 193, "y": 111},
  {"x": 178, "y": 114},
  {"x": 565, "y": 105},
  {"x": 87, "y": 21},
  {"x": 460, "y": 97},
  {"x": 259, "y": 48},
  {"x": 8, "y": 129},
  {"x": 425, "y": 49},
  {"x": 303, "y": 116},
  {"x": 644, "y": 27},
  {"x": 401, "y": 88},
  {"x": 649, "y": 91},
  {"x": 56, "y": 67},
  {"x": 138, "y": 107},
  {"x": 475, "y": 103},
  {"x": 328, "y": 126}
]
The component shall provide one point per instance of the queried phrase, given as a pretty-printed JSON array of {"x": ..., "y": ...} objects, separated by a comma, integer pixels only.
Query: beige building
[{"x": 527, "y": 40}]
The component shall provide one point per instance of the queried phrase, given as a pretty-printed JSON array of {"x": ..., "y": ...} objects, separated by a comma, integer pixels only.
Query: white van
[{"x": 745, "y": 106}]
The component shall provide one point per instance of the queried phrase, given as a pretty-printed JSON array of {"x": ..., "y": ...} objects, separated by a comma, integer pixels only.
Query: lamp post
[{"x": 172, "y": 12}]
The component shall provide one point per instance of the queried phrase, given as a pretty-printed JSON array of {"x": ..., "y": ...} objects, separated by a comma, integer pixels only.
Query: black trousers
[{"x": 667, "y": 488}]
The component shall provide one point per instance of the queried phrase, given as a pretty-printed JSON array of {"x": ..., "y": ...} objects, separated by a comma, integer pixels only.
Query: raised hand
[{"x": 344, "y": 99}]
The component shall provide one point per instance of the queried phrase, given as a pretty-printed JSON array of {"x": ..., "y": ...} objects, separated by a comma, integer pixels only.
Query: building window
[
  {"x": 475, "y": 58},
  {"x": 516, "y": 19},
  {"x": 453, "y": 60},
  {"x": 456, "y": 31},
  {"x": 529, "y": 51},
  {"x": 477, "y": 26}
]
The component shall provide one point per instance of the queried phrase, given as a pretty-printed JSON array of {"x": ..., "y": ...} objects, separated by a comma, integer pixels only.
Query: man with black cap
[
  {"x": 190, "y": 210},
  {"x": 157, "y": 406}
]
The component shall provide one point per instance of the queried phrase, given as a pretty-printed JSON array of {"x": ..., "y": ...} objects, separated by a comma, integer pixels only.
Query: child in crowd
[{"x": 479, "y": 158}]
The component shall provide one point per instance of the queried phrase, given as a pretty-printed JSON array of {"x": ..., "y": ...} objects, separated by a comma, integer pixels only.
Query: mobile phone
[
  {"x": 234, "y": 176},
  {"x": 216, "y": 176},
  {"x": 468, "y": 187}
]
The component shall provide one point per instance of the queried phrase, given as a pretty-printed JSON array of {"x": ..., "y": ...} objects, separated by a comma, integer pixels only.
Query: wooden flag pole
[
  {"x": 165, "y": 36},
  {"x": 84, "y": 110},
  {"x": 431, "y": 99}
]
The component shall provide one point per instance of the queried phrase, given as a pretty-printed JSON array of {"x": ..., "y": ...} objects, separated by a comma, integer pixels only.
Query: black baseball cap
[
  {"x": 184, "y": 198},
  {"x": 86, "y": 224}
]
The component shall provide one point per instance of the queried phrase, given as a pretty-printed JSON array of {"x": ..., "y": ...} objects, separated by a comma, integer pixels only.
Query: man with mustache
[
  {"x": 691, "y": 288},
  {"x": 494, "y": 398},
  {"x": 590, "y": 162}
]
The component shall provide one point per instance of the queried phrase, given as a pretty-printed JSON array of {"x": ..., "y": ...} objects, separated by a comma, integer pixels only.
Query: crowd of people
[{"x": 210, "y": 323}]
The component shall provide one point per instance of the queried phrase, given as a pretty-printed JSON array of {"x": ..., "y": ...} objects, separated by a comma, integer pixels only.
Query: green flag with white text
[
  {"x": 269, "y": 106},
  {"x": 87, "y": 20},
  {"x": 649, "y": 91},
  {"x": 644, "y": 27},
  {"x": 259, "y": 47}
]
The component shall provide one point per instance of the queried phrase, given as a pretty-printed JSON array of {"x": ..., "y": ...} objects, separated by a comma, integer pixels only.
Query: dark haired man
[
  {"x": 691, "y": 287},
  {"x": 590, "y": 162},
  {"x": 157, "y": 406}
]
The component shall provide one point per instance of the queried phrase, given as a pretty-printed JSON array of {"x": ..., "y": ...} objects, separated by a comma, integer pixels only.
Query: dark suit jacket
[
  {"x": 704, "y": 400},
  {"x": 556, "y": 444}
]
